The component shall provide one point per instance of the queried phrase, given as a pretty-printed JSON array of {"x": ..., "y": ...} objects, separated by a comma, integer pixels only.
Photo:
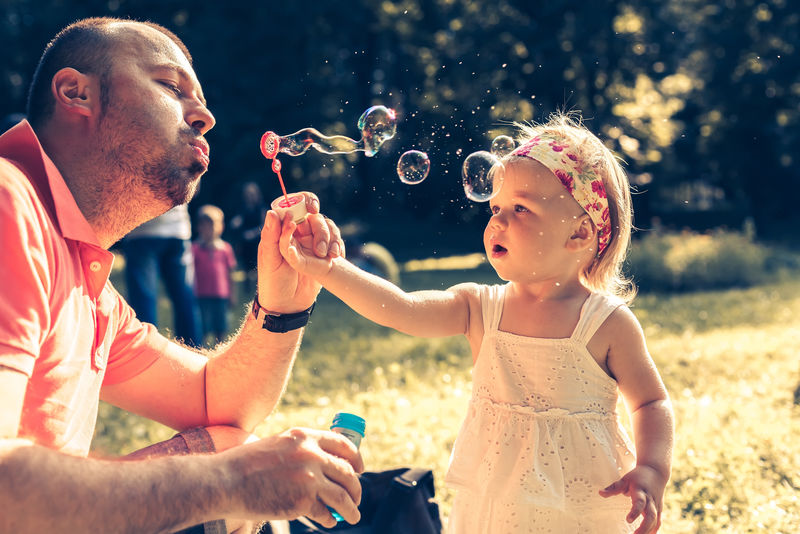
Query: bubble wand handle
[{"x": 270, "y": 146}]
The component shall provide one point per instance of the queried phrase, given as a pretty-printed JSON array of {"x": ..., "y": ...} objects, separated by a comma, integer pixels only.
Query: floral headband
[{"x": 578, "y": 177}]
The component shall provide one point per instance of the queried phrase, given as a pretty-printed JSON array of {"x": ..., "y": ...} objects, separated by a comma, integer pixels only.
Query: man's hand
[
  {"x": 645, "y": 486},
  {"x": 300, "y": 253},
  {"x": 281, "y": 288},
  {"x": 296, "y": 473}
]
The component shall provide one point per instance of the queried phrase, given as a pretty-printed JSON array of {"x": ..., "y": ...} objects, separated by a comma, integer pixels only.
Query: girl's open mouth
[{"x": 498, "y": 250}]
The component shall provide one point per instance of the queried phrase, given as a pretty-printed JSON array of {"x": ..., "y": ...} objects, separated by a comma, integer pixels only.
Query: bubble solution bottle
[{"x": 352, "y": 427}]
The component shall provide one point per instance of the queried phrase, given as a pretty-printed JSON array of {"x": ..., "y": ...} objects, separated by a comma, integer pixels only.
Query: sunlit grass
[{"x": 729, "y": 360}]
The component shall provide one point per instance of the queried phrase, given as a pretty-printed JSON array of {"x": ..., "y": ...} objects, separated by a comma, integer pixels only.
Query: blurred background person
[
  {"x": 214, "y": 263},
  {"x": 245, "y": 231},
  {"x": 369, "y": 255},
  {"x": 160, "y": 249}
]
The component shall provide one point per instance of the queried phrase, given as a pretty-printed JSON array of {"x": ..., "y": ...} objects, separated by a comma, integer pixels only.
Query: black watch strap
[{"x": 281, "y": 322}]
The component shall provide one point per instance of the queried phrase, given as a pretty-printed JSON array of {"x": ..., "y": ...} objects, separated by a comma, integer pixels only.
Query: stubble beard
[
  {"x": 156, "y": 174},
  {"x": 140, "y": 186},
  {"x": 135, "y": 164},
  {"x": 170, "y": 183}
]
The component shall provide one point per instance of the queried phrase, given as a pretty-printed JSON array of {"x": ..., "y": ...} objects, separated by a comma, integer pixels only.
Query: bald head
[{"x": 87, "y": 46}]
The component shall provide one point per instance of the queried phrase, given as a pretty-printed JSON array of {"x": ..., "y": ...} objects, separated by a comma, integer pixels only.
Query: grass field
[{"x": 729, "y": 359}]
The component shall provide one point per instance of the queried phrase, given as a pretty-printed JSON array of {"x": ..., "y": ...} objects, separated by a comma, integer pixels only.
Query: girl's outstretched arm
[
  {"x": 421, "y": 313},
  {"x": 651, "y": 416}
]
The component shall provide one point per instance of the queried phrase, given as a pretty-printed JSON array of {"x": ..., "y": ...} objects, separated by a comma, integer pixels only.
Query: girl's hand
[
  {"x": 645, "y": 486},
  {"x": 300, "y": 251}
]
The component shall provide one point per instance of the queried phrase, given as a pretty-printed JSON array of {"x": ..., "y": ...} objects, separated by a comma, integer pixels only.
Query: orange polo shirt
[{"x": 62, "y": 323}]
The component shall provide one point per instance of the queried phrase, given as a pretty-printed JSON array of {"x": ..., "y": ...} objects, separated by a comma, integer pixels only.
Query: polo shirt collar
[{"x": 21, "y": 144}]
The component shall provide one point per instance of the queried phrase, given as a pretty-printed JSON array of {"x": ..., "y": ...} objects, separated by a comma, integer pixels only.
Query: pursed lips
[{"x": 201, "y": 148}]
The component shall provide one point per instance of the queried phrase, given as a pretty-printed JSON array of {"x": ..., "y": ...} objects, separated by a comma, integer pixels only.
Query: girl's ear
[
  {"x": 584, "y": 234},
  {"x": 74, "y": 92}
]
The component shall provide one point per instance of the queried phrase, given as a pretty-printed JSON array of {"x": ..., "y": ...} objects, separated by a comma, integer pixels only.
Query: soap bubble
[
  {"x": 479, "y": 176},
  {"x": 413, "y": 167},
  {"x": 377, "y": 125},
  {"x": 502, "y": 145}
]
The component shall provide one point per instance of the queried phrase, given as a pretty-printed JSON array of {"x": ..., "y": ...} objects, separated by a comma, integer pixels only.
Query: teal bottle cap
[{"x": 349, "y": 420}]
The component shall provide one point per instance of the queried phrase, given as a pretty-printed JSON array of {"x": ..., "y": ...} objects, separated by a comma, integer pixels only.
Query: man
[{"x": 117, "y": 119}]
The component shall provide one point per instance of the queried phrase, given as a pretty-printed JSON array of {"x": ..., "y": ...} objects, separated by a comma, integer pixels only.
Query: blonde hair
[
  {"x": 604, "y": 274},
  {"x": 213, "y": 214}
]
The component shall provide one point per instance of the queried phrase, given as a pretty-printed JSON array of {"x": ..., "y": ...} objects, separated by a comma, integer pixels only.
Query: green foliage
[
  {"x": 683, "y": 90},
  {"x": 736, "y": 468},
  {"x": 666, "y": 261}
]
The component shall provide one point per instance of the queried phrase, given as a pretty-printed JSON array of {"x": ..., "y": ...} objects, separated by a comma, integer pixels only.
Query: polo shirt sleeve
[
  {"x": 24, "y": 271},
  {"x": 136, "y": 345}
]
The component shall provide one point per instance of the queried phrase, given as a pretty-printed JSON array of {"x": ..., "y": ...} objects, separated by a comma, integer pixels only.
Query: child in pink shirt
[{"x": 214, "y": 263}]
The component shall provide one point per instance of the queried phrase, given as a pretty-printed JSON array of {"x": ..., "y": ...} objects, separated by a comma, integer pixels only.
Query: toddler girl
[
  {"x": 541, "y": 448},
  {"x": 214, "y": 263}
]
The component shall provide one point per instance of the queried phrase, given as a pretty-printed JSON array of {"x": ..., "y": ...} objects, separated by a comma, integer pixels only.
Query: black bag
[{"x": 397, "y": 501}]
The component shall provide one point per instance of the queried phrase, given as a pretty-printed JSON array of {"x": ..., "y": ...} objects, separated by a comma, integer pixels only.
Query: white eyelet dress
[{"x": 541, "y": 436}]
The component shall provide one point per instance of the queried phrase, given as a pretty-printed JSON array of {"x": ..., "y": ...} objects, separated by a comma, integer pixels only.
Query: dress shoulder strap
[
  {"x": 492, "y": 297},
  {"x": 594, "y": 312}
]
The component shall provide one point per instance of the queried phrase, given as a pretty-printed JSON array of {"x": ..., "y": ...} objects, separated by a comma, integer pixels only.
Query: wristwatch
[{"x": 281, "y": 322}]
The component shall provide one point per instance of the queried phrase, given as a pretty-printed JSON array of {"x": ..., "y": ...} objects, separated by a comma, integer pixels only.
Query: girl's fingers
[
  {"x": 336, "y": 247},
  {"x": 292, "y": 257},
  {"x": 638, "y": 502},
  {"x": 320, "y": 234},
  {"x": 650, "y": 520},
  {"x": 618, "y": 487}
]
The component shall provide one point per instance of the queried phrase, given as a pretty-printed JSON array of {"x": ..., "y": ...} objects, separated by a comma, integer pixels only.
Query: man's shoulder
[
  {"x": 15, "y": 187},
  {"x": 11, "y": 172}
]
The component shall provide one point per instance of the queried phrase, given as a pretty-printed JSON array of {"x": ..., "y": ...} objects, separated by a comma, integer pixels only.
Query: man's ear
[
  {"x": 74, "y": 92},
  {"x": 584, "y": 234}
]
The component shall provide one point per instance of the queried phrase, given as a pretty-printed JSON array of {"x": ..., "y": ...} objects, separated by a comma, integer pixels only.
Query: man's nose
[{"x": 200, "y": 118}]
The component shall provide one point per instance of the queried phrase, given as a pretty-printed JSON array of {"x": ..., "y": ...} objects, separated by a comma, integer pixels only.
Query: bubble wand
[{"x": 270, "y": 144}]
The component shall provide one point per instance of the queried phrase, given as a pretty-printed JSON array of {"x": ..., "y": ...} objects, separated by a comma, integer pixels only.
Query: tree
[{"x": 688, "y": 92}]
